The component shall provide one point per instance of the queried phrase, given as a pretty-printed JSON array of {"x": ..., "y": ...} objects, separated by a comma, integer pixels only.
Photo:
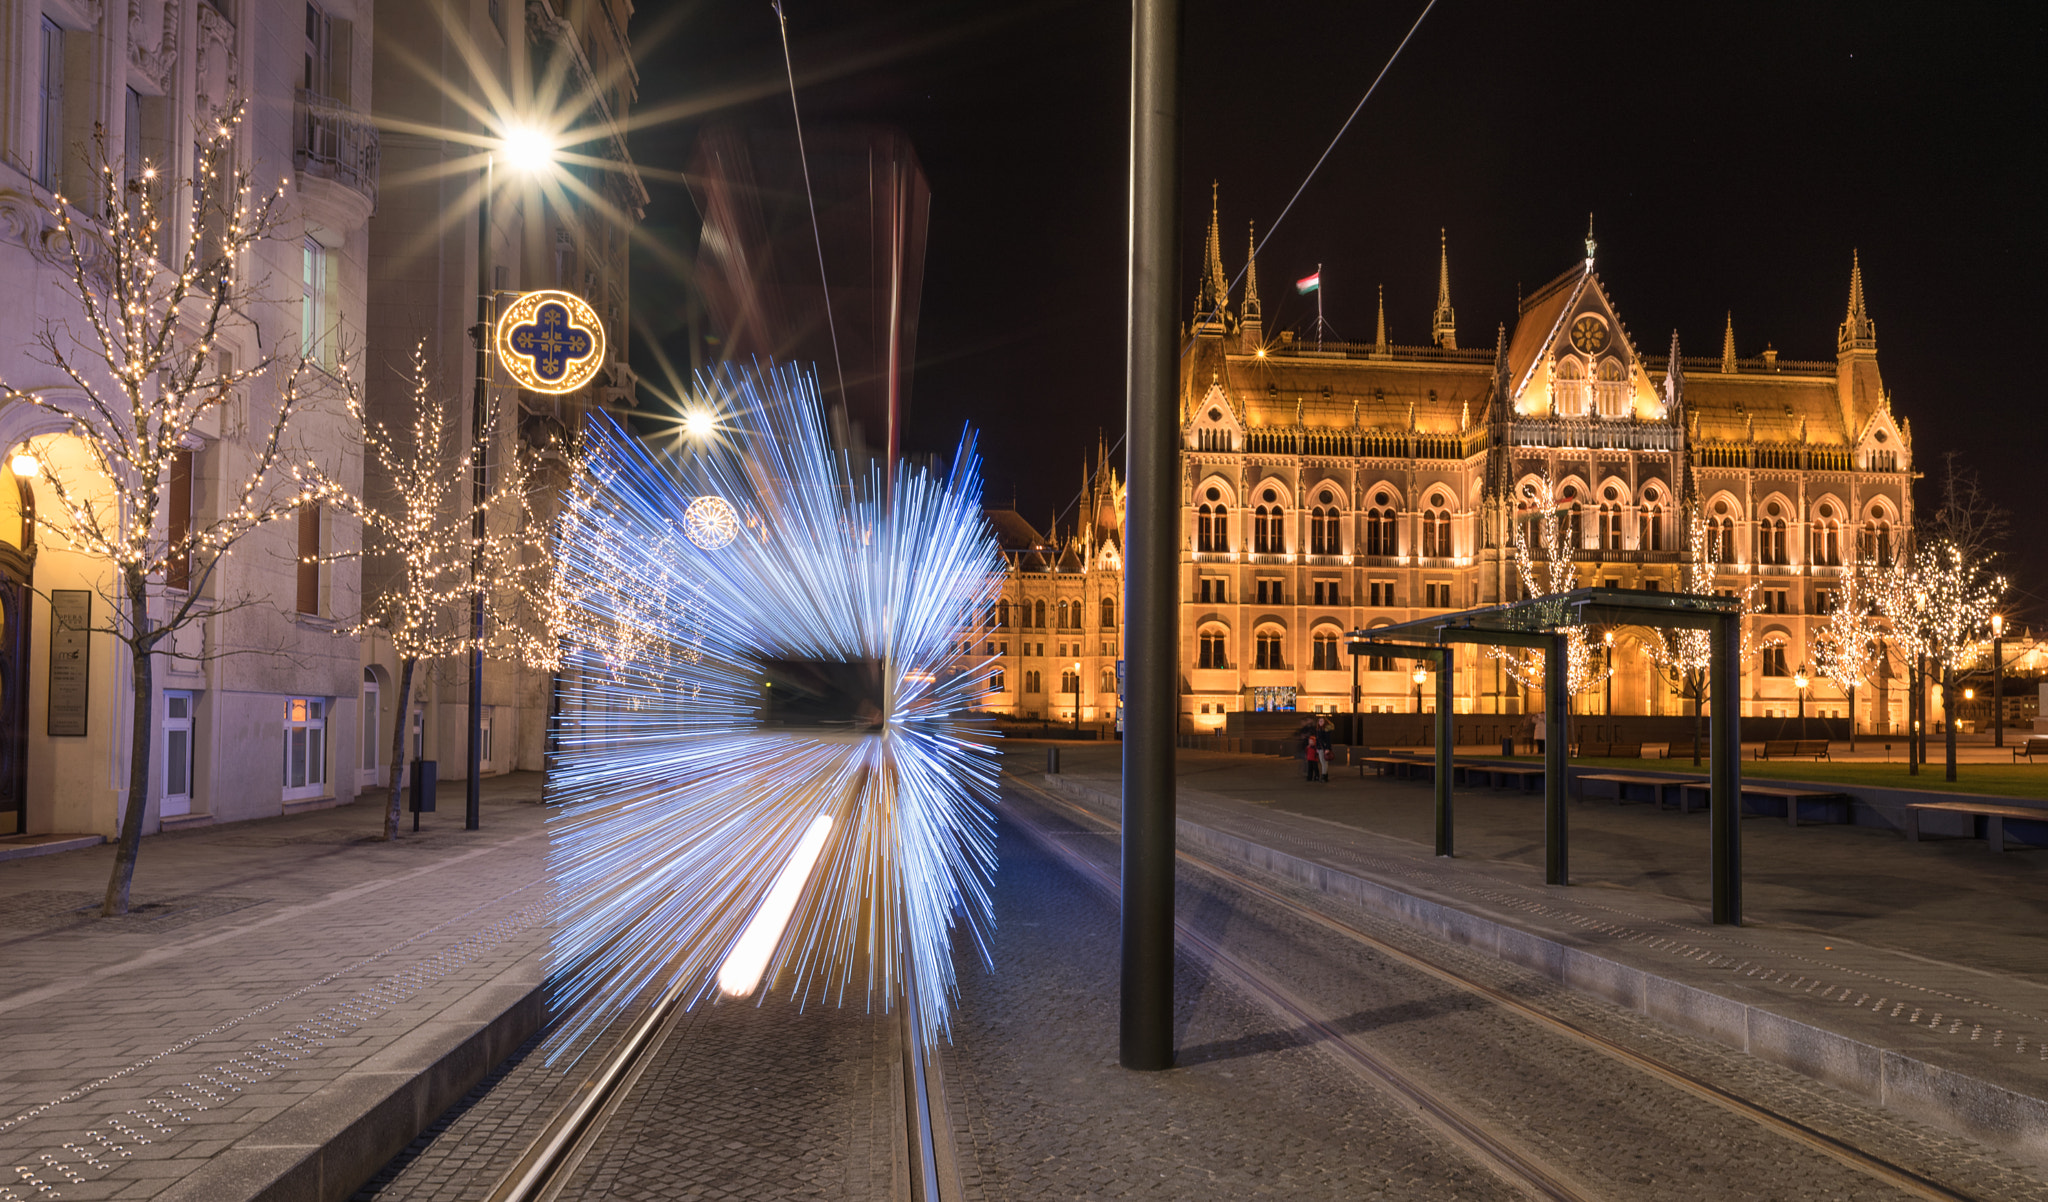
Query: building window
[
  {"x": 309, "y": 559},
  {"x": 314, "y": 318},
  {"x": 1381, "y": 593},
  {"x": 1436, "y": 531},
  {"x": 1572, "y": 390},
  {"x": 1610, "y": 393},
  {"x": 1652, "y": 538},
  {"x": 1212, "y": 650},
  {"x": 305, "y": 747},
  {"x": 1326, "y": 593},
  {"x": 1824, "y": 601},
  {"x": 1108, "y": 682},
  {"x": 1215, "y": 590},
  {"x": 1774, "y": 660},
  {"x": 1271, "y": 592},
  {"x": 1268, "y": 654},
  {"x": 995, "y": 681},
  {"x": 1776, "y": 601},
  {"x": 1212, "y": 526},
  {"x": 1038, "y": 612},
  {"x": 177, "y": 755},
  {"x": 1070, "y": 681},
  {"x": 1033, "y": 683},
  {"x": 1003, "y": 614},
  {"x": 1770, "y": 536},
  {"x": 1109, "y": 613},
  {"x": 1877, "y": 539},
  {"x": 1323, "y": 538},
  {"x": 1326, "y": 651},
  {"x": 50, "y": 98},
  {"x": 1379, "y": 526},
  {"x": 372, "y": 718},
  {"x": 1268, "y": 528},
  {"x": 487, "y": 721},
  {"x": 178, "y": 522},
  {"x": 1827, "y": 538},
  {"x": 1065, "y": 623}
]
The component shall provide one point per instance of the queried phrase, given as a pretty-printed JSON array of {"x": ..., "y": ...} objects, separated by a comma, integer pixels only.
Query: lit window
[{"x": 305, "y": 747}]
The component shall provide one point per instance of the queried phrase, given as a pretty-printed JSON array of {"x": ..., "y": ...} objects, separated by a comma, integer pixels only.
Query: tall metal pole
[
  {"x": 479, "y": 479},
  {"x": 1997, "y": 687},
  {"x": 1724, "y": 796},
  {"x": 1151, "y": 600}
]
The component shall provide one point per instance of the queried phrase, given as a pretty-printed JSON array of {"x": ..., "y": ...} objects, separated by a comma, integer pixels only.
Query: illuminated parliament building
[{"x": 1348, "y": 485}]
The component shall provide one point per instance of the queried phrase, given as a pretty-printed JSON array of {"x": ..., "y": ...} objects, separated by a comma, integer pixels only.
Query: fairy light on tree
[
  {"x": 1551, "y": 576},
  {"x": 1686, "y": 657},
  {"x": 1939, "y": 601},
  {"x": 156, "y": 297},
  {"x": 1845, "y": 647},
  {"x": 416, "y": 526}
]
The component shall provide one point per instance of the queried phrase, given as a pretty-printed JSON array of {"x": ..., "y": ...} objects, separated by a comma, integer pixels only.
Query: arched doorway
[{"x": 17, "y": 570}]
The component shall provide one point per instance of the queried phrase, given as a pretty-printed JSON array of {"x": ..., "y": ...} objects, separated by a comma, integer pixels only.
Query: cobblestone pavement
[{"x": 263, "y": 960}]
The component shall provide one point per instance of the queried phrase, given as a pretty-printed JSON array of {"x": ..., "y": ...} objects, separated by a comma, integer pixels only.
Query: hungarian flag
[{"x": 1309, "y": 283}]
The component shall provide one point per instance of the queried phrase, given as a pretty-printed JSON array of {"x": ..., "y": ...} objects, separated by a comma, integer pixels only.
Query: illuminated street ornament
[
  {"x": 719, "y": 833},
  {"x": 550, "y": 341},
  {"x": 711, "y": 523}
]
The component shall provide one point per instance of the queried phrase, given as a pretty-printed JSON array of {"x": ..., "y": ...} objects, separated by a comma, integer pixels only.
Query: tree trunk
[
  {"x": 1852, "y": 719},
  {"x": 142, "y": 679},
  {"x": 405, "y": 667},
  {"x": 1948, "y": 717},
  {"x": 1699, "y": 732}
]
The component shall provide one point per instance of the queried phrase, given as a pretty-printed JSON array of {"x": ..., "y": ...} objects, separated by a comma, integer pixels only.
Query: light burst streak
[{"x": 681, "y": 804}]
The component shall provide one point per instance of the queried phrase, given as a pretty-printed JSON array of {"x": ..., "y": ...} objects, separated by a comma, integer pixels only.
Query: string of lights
[{"x": 706, "y": 839}]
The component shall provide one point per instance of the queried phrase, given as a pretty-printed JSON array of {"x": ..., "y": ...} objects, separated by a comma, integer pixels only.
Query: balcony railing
[{"x": 334, "y": 141}]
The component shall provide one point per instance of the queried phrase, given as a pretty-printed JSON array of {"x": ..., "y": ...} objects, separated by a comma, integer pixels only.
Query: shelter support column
[
  {"x": 1724, "y": 811},
  {"x": 1446, "y": 729},
  {"x": 1556, "y": 702}
]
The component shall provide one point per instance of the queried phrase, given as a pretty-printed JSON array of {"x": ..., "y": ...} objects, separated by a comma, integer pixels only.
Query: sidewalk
[
  {"x": 1911, "y": 974},
  {"x": 288, "y": 1004}
]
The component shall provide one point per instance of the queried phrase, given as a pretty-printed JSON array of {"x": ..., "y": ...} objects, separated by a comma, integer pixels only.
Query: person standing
[
  {"x": 1325, "y": 733},
  {"x": 1306, "y": 732}
]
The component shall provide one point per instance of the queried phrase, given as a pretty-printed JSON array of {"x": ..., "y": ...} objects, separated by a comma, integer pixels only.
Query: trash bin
[{"x": 424, "y": 777}]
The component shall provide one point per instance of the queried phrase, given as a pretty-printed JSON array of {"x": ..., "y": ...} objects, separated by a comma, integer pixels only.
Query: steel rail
[{"x": 1868, "y": 1163}]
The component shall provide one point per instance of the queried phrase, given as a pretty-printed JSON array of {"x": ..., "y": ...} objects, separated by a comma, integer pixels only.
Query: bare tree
[
  {"x": 1846, "y": 646},
  {"x": 1547, "y": 577},
  {"x": 1686, "y": 657},
  {"x": 417, "y": 524},
  {"x": 1939, "y": 601},
  {"x": 157, "y": 296}
]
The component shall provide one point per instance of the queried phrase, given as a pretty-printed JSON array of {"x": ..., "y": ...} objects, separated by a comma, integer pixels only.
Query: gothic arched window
[
  {"x": 1827, "y": 536},
  {"x": 1325, "y": 651},
  {"x": 1379, "y": 526},
  {"x": 1212, "y": 523},
  {"x": 1571, "y": 388},
  {"x": 1323, "y": 538},
  {"x": 1610, "y": 394},
  {"x": 1770, "y": 535},
  {"x": 1213, "y": 648},
  {"x": 1109, "y": 613},
  {"x": 1040, "y": 615},
  {"x": 1269, "y": 525},
  {"x": 1269, "y": 655}
]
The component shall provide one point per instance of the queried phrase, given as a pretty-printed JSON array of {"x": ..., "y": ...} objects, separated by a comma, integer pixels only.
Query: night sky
[{"x": 1731, "y": 155}]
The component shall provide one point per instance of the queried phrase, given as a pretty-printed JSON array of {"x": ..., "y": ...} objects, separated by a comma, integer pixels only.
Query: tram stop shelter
[{"x": 1540, "y": 624}]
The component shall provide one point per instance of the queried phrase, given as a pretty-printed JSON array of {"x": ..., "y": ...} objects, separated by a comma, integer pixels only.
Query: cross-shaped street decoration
[{"x": 550, "y": 342}]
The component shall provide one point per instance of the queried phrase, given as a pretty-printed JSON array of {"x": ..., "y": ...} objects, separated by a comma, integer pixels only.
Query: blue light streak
[{"x": 677, "y": 810}]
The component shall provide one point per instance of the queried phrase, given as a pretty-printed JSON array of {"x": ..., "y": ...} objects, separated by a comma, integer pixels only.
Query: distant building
[{"x": 1356, "y": 485}]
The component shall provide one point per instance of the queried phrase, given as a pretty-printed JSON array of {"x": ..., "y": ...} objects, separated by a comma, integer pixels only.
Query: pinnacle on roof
[
  {"x": 1251, "y": 274},
  {"x": 1379, "y": 338},
  {"x": 1212, "y": 302},
  {"x": 1589, "y": 240},
  {"x": 1444, "y": 325},
  {"x": 1728, "y": 346},
  {"x": 1858, "y": 332}
]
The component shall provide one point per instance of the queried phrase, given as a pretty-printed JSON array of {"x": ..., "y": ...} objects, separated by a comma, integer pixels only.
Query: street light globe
[
  {"x": 1997, "y": 625},
  {"x": 527, "y": 149},
  {"x": 1969, "y": 694},
  {"x": 24, "y": 464},
  {"x": 1799, "y": 679},
  {"x": 697, "y": 423},
  {"x": 1421, "y": 675}
]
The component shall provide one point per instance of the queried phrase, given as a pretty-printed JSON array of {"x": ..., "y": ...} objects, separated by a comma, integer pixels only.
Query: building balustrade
[{"x": 333, "y": 141}]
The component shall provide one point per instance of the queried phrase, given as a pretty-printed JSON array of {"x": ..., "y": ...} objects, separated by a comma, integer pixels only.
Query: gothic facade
[{"x": 1352, "y": 485}]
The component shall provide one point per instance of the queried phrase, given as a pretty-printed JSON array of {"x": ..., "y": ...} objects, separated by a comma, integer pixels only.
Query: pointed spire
[
  {"x": 1728, "y": 346},
  {"x": 1443, "y": 327},
  {"x": 1251, "y": 276},
  {"x": 1212, "y": 301},
  {"x": 1589, "y": 240},
  {"x": 1674, "y": 378},
  {"x": 1379, "y": 338},
  {"x": 1858, "y": 332}
]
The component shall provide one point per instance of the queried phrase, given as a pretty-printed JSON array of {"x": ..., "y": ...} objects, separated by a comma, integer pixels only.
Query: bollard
[
  {"x": 1052, "y": 761},
  {"x": 1507, "y": 747}
]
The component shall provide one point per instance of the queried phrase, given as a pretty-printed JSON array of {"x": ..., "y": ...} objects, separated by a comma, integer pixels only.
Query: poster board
[{"x": 70, "y": 660}]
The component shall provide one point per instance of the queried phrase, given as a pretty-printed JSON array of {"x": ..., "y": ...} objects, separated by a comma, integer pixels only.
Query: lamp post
[
  {"x": 1799, "y": 683},
  {"x": 1354, "y": 642},
  {"x": 1421, "y": 678},
  {"x": 1998, "y": 680},
  {"x": 527, "y": 149},
  {"x": 1077, "y": 696}
]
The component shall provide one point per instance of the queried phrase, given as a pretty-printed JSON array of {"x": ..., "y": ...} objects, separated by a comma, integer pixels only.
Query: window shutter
[
  {"x": 178, "y": 522},
  {"x": 309, "y": 559}
]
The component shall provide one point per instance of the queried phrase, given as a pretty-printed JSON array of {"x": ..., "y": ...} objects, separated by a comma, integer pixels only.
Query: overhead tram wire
[
  {"x": 803, "y": 160},
  {"x": 1285, "y": 209}
]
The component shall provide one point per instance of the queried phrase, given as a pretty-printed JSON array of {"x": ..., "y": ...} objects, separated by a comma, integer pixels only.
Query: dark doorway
[{"x": 17, "y": 570}]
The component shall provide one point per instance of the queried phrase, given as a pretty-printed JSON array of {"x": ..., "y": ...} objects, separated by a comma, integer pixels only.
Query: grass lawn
[{"x": 2003, "y": 780}]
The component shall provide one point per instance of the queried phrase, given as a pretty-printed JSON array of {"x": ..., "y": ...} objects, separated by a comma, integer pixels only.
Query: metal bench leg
[{"x": 1994, "y": 831}]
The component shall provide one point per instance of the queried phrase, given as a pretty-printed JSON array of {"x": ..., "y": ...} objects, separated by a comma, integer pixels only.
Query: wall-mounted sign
[
  {"x": 550, "y": 341},
  {"x": 70, "y": 659},
  {"x": 1268, "y": 698}
]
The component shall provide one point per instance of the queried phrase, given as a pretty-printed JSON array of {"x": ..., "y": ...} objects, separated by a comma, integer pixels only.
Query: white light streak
[
  {"x": 679, "y": 811},
  {"x": 743, "y": 967}
]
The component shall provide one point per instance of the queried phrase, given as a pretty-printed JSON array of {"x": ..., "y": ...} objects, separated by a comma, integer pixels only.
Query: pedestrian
[
  {"x": 1306, "y": 732},
  {"x": 1324, "y": 732}
]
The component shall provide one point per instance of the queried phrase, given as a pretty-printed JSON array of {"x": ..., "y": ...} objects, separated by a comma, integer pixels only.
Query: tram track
[{"x": 1506, "y": 1156}]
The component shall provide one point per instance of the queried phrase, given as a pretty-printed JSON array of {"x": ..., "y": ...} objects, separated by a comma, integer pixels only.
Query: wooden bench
[
  {"x": 1610, "y": 751},
  {"x": 2035, "y": 745},
  {"x": 1501, "y": 775},
  {"x": 1786, "y": 749},
  {"x": 1994, "y": 817},
  {"x": 1831, "y": 806},
  {"x": 1683, "y": 751},
  {"x": 1622, "y": 780}
]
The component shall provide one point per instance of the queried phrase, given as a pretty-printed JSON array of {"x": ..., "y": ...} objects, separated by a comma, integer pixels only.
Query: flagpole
[{"x": 1319, "y": 306}]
